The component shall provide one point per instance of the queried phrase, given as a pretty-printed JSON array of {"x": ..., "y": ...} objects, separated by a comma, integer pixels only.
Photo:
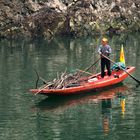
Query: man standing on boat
[{"x": 105, "y": 49}]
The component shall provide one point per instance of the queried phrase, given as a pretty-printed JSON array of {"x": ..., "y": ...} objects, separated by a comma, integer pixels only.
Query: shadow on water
[{"x": 61, "y": 102}]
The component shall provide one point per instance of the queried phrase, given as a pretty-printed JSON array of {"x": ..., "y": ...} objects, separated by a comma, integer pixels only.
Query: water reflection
[
  {"x": 109, "y": 105},
  {"x": 105, "y": 112},
  {"x": 62, "y": 103},
  {"x": 53, "y": 57},
  {"x": 123, "y": 105},
  {"x": 108, "y": 100}
]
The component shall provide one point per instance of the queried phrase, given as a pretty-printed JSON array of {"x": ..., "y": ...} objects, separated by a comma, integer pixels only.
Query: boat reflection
[
  {"x": 123, "y": 106},
  {"x": 107, "y": 101},
  {"x": 63, "y": 103},
  {"x": 106, "y": 114},
  {"x": 109, "y": 104}
]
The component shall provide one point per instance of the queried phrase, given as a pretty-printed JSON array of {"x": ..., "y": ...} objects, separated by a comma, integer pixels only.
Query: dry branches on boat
[{"x": 65, "y": 80}]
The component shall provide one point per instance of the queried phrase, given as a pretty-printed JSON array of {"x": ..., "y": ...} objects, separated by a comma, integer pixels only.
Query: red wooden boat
[{"x": 91, "y": 83}]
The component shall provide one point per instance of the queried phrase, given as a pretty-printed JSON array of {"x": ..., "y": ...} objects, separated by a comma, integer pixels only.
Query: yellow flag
[{"x": 122, "y": 57}]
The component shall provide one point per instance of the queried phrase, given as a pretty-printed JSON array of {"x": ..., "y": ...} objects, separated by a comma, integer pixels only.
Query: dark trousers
[{"x": 105, "y": 62}]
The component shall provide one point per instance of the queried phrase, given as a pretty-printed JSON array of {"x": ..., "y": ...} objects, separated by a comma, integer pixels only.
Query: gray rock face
[{"x": 47, "y": 18}]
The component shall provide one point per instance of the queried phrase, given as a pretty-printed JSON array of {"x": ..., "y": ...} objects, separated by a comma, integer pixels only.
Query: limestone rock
[{"x": 47, "y": 18}]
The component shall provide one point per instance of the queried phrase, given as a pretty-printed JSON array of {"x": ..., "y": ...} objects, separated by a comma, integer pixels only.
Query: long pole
[
  {"x": 92, "y": 64},
  {"x": 88, "y": 67},
  {"x": 122, "y": 69},
  {"x": 84, "y": 72}
]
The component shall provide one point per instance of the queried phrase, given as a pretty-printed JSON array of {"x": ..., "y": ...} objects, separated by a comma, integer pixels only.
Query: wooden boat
[{"x": 90, "y": 83}]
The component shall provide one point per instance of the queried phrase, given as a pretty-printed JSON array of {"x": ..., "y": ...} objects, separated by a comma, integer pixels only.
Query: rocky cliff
[{"x": 47, "y": 18}]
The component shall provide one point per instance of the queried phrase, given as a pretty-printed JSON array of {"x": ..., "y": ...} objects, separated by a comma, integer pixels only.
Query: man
[{"x": 105, "y": 49}]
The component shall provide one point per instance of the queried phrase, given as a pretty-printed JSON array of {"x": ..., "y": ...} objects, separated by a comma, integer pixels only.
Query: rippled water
[{"x": 111, "y": 114}]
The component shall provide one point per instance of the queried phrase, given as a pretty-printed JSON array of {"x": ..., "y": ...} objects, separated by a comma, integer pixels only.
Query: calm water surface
[{"x": 112, "y": 114}]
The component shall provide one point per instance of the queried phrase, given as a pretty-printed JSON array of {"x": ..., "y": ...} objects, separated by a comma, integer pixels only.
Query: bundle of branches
[{"x": 64, "y": 80}]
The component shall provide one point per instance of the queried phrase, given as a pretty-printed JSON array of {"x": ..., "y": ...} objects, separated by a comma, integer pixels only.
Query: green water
[{"x": 111, "y": 114}]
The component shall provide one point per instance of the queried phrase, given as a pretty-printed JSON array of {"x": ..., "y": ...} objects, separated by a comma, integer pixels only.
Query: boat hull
[{"x": 92, "y": 84}]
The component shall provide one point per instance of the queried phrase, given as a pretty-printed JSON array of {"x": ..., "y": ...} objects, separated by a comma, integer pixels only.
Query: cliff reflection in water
[{"x": 58, "y": 55}]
